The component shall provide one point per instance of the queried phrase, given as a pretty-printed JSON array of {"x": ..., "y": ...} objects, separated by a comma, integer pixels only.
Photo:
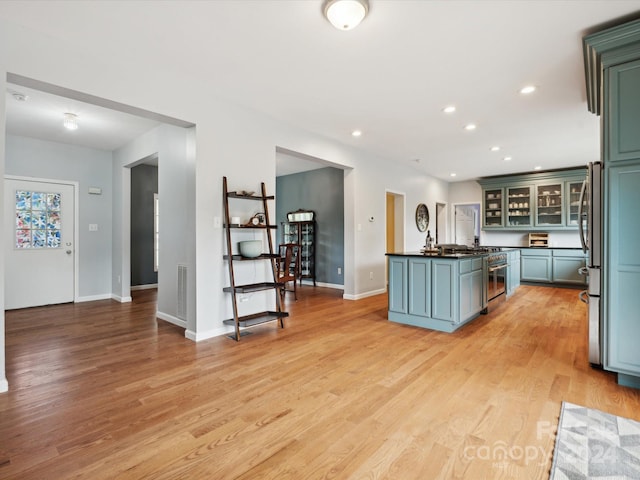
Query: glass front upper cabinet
[
  {"x": 519, "y": 206},
  {"x": 549, "y": 205},
  {"x": 573, "y": 202},
  {"x": 493, "y": 208}
]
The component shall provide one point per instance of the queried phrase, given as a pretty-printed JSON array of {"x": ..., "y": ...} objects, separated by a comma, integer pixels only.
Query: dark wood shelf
[
  {"x": 239, "y": 225},
  {"x": 256, "y": 318},
  {"x": 249, "y": 197},
  {"x": 264, "y": 256},
  {"x": 252, "y": 287}
]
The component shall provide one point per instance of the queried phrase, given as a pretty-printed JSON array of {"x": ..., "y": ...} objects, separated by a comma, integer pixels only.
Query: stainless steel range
[{"x": 496, "y": 275}]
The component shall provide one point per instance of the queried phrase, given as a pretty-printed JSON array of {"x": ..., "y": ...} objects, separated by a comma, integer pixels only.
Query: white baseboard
[
  {"x": 365, "y": 294},
  {"x": 120, "y": 299},
  {"x": 144, "y": 287},
  {"x": 323, "y": 284},
  {"x": 199, "y": 336},
  {"x": 171, "y": 319},
  {"x": 93, "y": 298},
  {"x": 4, "y": 385}
]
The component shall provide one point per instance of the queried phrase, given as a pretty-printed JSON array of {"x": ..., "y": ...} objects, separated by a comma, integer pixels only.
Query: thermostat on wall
[{"x": 95, "y": 191}]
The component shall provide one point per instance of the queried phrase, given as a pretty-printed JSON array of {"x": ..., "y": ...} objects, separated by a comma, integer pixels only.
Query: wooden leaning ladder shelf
[{"x": 235, "y": 289}]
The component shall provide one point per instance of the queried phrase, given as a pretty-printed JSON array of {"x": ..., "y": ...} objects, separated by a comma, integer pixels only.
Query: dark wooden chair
[{"x": 288, "y": 268}]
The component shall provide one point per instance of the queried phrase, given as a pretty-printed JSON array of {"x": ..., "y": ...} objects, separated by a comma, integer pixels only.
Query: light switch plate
[{"x": 93, "y": 227}]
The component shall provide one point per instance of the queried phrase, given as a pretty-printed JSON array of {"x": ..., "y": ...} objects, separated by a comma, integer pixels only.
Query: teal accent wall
[
  {"x": 144, "y": 183},
  {"x": 323, "y": 192}
]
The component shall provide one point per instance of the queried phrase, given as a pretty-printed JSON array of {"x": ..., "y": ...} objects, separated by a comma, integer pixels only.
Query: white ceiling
[{"x": 390, "y": 77}]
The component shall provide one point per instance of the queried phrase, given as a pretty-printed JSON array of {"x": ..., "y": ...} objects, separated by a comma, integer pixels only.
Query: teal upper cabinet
[
  {"x": 535, "y": 201},
  {"x": 519, "y": 206},
  {"x": 624, "y": 116},
  {"x": 493, "y": 208}
]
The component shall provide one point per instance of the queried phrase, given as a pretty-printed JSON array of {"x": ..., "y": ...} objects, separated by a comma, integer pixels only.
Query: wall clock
[{"x": 422, "y": 217}]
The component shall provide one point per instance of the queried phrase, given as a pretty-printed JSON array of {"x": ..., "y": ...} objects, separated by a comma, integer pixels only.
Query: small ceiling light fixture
[
  {"x": 70, "y": 121},
  {"x": 537, "y": 167},
  {"x": 495, "y": 148},
  {"x": 528, "y": 89},
  {"x": 507, "y": 159},
  {"x": 449, "y": 109},
  {"x": 356, "y": 133},
  {"x": 452, "y": 174},
  {"x": 469, "y": 127},
  {"x": 345, "y": 14},
  {"x": 20, "y": 97}
]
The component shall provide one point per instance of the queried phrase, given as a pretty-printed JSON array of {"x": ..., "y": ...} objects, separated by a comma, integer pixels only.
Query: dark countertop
[
  {"x": 539, "y": 248},
  {"x": 450, "y": 256}
]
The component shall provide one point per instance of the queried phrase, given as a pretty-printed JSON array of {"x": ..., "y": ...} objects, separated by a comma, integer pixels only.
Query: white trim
[
  {"x": 199, "y": 336},
  {"x": 4, "y": 385},
  {"x": 360, "y": 296},
  {"x": 171, "y": 319},
  {"x": 92, "y": 298},
  {"x": 76, "y": 222},
  {"x": 323, "y": 284},
  {"x": 120, "y": 299},
  {"x": 148, "y": 286}
]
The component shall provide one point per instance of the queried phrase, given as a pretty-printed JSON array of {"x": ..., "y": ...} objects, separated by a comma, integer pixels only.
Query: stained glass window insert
[{"x": 38, "y": 222}]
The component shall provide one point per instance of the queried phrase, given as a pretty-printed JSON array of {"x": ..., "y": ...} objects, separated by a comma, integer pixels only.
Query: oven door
[{"x": 496, "y": 281}]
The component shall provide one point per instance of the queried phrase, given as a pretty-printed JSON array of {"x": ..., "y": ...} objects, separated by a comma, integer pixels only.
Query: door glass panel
[
  {"x": 38, "y": 223},
  {"x": 574, "y": 202},
  {"x": 549, "y": 206},
  {"x": 493, "y": 208},
  {"x": 519, "y": 212}
]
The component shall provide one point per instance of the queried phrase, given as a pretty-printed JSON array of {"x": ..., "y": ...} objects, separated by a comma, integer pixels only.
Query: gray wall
[
  {"x": 144, "y": 183},
  {"x": 90, "y": 168},
  {"x": 323, "y": 192}
]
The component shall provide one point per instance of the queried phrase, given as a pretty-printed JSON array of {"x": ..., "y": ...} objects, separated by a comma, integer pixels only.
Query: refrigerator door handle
[{"x": 581, "y": 214}]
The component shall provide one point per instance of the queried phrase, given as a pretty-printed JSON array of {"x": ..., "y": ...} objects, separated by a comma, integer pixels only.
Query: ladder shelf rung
[{"x": 256, "y": 318}]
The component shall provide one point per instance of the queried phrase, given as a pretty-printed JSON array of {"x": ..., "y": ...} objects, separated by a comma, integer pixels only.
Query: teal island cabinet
[{"x": 440, "y": 292}]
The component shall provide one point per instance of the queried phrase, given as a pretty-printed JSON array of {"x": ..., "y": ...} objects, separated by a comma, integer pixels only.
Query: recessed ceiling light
[
  {"x": 356, "y": 133},
  {"x": 70, "y": 121},
  {"x": 470, "y": 126},
  {"x": 507, "y": 159},
  {"x": 449, "y": 109},
  {"x": 528, "y": 89},
  {"x": 452, "y": 174},
  {"x": 495, "y": 148},
  {"x": 537, "y": 167}
]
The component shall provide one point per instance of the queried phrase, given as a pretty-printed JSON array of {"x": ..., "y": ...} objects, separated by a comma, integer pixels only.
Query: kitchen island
[{"x": 437, "y": 291}]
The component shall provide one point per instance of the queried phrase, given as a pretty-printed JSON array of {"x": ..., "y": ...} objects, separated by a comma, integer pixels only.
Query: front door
[{"x": 39, "y": 243}]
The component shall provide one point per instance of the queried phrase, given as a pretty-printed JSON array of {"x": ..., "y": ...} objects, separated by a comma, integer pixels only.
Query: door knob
[{"x": 68, "y": 252}]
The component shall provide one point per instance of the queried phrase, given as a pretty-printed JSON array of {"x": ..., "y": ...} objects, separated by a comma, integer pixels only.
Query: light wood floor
[{"x": 103, "y": 390}]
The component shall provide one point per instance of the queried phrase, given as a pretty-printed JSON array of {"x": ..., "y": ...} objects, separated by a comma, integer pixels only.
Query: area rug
[{"x": 591, "y": 444}]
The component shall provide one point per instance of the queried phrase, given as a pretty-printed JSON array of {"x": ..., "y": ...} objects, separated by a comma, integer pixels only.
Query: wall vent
[{"x": 181, "y": 308}]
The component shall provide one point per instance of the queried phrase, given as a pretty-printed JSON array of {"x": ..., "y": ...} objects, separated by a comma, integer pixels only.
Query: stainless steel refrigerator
[{"x": 590, "y": 215}]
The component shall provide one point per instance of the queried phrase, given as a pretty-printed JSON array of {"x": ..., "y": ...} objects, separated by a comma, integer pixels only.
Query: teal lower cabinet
[
  {"x": 513, "y": 271},
  {"x": 435, "y": 292},
  {"x": 566, "y": 266},
  {"x": 398, "y": 284},
  {"x": 535, "y": 265},
  {"x": 553, "y": 266}
]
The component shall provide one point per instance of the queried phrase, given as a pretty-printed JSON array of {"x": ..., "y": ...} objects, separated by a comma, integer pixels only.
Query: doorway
[
  {"x": 467, "y": 224},
  {"x": 441, "y": 223},
  {"x": 394, "y": 225},
  {"x": 40, "y": 242}
]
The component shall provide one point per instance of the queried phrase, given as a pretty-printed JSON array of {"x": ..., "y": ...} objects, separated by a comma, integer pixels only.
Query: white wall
[
  {"x": 230, "y": 140},
  {"x": 4, "y": 385},
  {"x": 90, "y": 168}
]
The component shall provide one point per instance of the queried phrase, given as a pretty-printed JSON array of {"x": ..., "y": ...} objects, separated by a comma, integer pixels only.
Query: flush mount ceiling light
[
  {"x": 495, "y": 148},
  {"x": 507, "y": 159},
  {"x": 70, "y": 121},
  {"x": 449, "y": 109},
  {"x": 469, "y": 127},
  {"x": 528, "y": 89},
  {"x": 452, "y": 174},
  {"x": 345, "y": 14},
  {"x": 356, "y": 133}
]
